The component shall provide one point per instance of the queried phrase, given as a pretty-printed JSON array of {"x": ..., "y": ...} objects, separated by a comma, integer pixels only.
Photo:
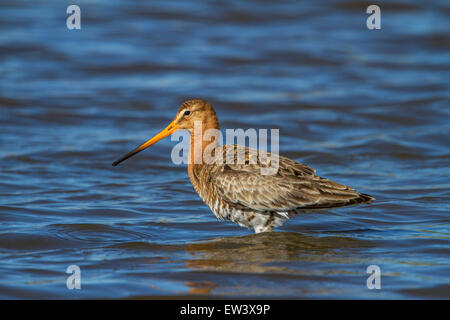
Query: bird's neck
[{"x": 201, "y": 145}]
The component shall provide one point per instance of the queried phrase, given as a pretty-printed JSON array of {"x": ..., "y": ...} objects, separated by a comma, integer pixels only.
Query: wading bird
[{"x": 238, "y": 191}]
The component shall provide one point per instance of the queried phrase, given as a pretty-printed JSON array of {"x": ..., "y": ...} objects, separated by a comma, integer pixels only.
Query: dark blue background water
[{"x": 367, "y": 108}]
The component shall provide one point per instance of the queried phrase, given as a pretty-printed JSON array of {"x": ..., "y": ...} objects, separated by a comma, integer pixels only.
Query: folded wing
[{"x": 294, "y": 187}]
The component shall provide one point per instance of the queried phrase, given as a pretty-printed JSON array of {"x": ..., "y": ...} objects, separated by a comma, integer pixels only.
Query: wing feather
[{"x": 294, "y": 186}]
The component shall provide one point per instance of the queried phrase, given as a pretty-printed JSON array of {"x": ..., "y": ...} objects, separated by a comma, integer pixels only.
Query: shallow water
[{"x": 369, "y": 109}]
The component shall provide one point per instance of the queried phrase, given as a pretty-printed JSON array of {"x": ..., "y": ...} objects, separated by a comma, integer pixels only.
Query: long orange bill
[{"x": 166, "y": 132}]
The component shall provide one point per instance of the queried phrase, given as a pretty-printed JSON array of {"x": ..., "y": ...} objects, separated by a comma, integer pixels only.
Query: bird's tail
[{"x": 363, "y": 198}]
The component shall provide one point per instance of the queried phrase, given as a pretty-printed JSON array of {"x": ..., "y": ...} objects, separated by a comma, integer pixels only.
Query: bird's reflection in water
[
  {"x": 201, "y": 287},
  {"x": 255, "y": 253},
  {"x": 272, "y": 252}
]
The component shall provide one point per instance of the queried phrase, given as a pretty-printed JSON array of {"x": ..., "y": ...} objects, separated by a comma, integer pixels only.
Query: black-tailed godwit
[{"x": 240, "y": 192}]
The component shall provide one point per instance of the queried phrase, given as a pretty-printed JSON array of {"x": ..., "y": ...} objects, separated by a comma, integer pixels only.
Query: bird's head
[{"x": 190, "y": 112}]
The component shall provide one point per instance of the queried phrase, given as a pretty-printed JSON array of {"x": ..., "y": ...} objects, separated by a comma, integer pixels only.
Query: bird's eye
[{"x": 187, "y": 112}]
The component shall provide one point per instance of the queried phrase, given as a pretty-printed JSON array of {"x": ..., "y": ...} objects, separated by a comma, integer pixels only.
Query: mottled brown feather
[{"x": 294, "y": 188}]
